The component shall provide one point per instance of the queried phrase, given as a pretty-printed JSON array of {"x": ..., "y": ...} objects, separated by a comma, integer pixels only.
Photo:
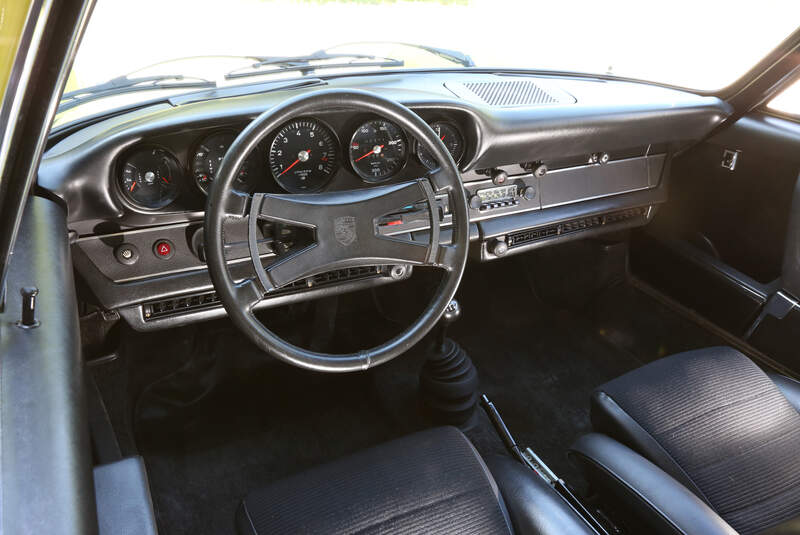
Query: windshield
[{"x": 704, "y": 45}]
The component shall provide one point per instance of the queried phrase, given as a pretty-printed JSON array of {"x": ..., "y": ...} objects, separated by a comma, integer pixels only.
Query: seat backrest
[{"x": 713, "y": 420}]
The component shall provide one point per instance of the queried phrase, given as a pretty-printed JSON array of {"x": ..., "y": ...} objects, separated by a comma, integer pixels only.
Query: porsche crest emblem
[{"x": 344, "y": 228}]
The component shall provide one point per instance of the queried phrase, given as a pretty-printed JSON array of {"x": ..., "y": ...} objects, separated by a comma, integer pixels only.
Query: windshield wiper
[
  {"x": 123, "y": 84},
  {"x": 304, "y": 65},
  {"x": 450, "y": 55}
]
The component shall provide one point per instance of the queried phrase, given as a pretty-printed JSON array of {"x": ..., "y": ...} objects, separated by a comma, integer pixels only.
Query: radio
[{"x": 500, "y": 197}]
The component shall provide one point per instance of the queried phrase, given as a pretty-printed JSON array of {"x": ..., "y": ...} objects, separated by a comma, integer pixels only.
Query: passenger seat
[{"x": 698, "y": 442}]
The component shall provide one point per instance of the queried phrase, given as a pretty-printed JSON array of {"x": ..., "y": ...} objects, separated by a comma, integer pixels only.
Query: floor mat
[{"x": 265, "y": 420}]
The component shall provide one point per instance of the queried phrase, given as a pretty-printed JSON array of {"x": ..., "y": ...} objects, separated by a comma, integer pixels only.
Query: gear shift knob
[{"x": 452, "y": 312}]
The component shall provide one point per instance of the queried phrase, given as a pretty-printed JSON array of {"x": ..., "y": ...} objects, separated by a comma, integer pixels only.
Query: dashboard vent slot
[
  {"x": 525, "y": 237},
  {"x": 510, "y": 93},
  {"x": 201, "y": 301}
]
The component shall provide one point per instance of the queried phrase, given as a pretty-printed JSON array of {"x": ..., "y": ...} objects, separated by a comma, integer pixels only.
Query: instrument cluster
[{"x": 302, "y": 156}]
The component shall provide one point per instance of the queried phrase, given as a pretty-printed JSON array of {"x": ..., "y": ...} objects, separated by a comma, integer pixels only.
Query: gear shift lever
[
  {"x": 449, "y": 380},
  {"x": 451, "y": 314}
]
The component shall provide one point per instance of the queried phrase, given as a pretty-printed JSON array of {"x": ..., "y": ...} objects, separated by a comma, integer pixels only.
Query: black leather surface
[
  {"x": 657, "y": 499},
  {"x": 722, "y": 422},
  {"x": 534, "y": 507},
  {"x": 790, "y": 271},
  {"x": 430, "y": 482},
  {"x": 124, "y": 506},
  {"x": 44, "y": 440}
]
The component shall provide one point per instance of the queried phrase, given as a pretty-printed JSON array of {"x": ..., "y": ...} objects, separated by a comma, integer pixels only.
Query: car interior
[{"x": 399, "y": 301}]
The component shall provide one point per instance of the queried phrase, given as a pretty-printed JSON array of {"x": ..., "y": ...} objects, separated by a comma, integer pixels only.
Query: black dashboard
[{"x": 543, "y": 160}]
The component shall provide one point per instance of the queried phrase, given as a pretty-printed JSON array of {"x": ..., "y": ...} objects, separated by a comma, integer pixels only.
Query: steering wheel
[{"x": 345, "y": 228}]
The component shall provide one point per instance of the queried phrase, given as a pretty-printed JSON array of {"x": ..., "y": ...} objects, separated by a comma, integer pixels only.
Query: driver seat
[{"x": 431, "y": 482}]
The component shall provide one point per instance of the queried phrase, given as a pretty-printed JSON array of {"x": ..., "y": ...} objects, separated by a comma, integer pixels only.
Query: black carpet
[{"x": 215, "y": 419}]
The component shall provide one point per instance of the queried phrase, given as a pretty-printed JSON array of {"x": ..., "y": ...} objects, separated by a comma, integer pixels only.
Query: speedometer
[
  {"x": 303, "y": 156},
  {"x": 378, "y": 150}
]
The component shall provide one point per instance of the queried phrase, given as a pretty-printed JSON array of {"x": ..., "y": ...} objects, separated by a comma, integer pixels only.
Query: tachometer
[
  {"x": 150, "y": 178},
  {"x": 209, "y": 154},
  {"x": 303, "y": 156},
  {"x": 452, "y": 140},
  {"x": 378, "y": 150}
]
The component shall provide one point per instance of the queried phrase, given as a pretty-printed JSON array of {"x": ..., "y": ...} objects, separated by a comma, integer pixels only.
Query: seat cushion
[
  {"x": 715, "y": 422},
  {"x": 429, "y": 482}
]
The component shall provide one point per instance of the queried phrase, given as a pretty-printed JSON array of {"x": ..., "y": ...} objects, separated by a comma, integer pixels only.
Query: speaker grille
[{"x": 511, "y": 93}]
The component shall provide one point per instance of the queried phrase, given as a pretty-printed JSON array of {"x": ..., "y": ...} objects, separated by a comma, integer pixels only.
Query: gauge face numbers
[
  {"x": 150, "y": 178},
  {"x": 452, "y": 140},
  {"x": 303, "y": 156},
  {"x": 378, "y": 150},
  {"x": 208, "y": 156}
]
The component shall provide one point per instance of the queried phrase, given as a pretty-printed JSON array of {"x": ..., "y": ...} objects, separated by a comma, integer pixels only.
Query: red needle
[
  {"x": 297, "y": 161},
  {"x": 442, "y": 138},
  {"x": 132, "y": 186},
  {"x": 367, "y": 154},
  {"x": 165, "y": 180}
]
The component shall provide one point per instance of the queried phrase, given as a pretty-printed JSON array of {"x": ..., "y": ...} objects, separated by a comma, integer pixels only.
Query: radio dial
[
  {"x": 529, "y": 193},
  {"x": 475, "y": 202}
]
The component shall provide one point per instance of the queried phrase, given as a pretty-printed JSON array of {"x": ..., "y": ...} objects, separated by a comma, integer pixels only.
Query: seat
[
  {"x": 698, "y": 442},
  {"x": 431, "y": 482}
]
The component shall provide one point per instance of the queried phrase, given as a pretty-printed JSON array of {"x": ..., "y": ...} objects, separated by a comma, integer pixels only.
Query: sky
[{"x": 704, "y": 44}]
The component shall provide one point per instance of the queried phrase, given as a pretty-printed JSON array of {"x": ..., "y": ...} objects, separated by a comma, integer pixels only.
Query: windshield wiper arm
[
  {"x": 123, "y": 84},
  {"x": 303, "y": 63},
  {"x": 444, "y": 53}
]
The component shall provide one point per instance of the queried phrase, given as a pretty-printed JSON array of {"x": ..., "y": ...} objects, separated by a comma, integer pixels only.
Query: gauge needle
[
  {"x": 293, "y": 163},
  {"x": 165, "y": 180},
  {"x": 132, "y": 186},
  {"x": 367, "y": 154},
  {"x": 442, "y": 138}
]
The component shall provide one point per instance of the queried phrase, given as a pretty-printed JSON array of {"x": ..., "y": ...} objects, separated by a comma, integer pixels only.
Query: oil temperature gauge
[{"x": 150, "y": 178}]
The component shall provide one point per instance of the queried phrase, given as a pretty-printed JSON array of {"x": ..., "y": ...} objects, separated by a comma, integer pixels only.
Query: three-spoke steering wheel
[{"x": 345, "y": 228}]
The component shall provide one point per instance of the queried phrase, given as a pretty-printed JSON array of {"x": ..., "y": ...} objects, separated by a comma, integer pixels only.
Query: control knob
[
  {"x": 499, "y": 177},
  {"x": 498, "y": 247},
  {"x": 475, "y": 202}
]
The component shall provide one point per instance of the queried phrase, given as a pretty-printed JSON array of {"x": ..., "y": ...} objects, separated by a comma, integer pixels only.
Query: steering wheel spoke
[{"x": 248, "y": 293}]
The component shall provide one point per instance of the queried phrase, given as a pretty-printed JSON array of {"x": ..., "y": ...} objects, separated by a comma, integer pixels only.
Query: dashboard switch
[
  {"x": 126, "y": 254},
  {"x": 164, "y": 249}
]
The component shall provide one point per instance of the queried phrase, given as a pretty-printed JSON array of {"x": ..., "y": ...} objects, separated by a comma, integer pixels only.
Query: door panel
[
  {"x": 719, "y": 244},
  {"x": 46, "y": 454},
  {"x": 743, "y": 214}
]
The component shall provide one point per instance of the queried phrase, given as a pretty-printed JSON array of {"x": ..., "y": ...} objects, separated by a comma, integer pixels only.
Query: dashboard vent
[
  {"x": 510, "y": 93},
  {"x": 201, "y": 301},
  {"x": 525, "y": 237}
]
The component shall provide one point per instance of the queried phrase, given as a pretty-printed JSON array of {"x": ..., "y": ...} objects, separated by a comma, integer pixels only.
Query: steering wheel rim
[{"x": 224, "y": 203}]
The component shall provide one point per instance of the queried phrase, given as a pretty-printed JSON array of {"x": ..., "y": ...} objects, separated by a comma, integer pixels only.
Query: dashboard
[{"x": 543, "y": 159}]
